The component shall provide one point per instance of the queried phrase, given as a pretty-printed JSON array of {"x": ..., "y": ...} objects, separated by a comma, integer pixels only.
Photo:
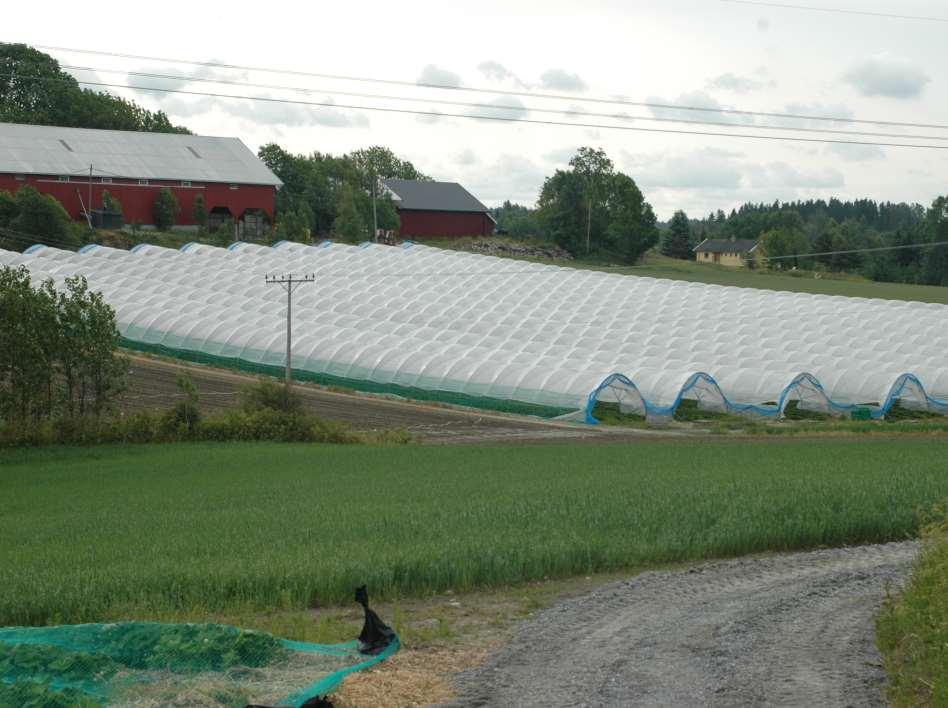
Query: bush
[
  {"x": 269, "y": 395},
  {"x": 165, "y": 209}
]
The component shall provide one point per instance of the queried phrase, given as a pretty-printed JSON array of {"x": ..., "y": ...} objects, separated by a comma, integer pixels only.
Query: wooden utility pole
[{"x": 289, "y": 282}]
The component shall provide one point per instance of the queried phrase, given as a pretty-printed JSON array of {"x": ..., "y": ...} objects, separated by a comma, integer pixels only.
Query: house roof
[
  {"x": 726, "y": 245},
  {"x": 432, "y": 196},
  {"x": 50, "y": 150}
]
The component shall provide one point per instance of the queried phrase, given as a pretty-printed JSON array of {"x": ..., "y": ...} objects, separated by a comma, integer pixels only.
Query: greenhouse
[{"x": 494, "y": 333}]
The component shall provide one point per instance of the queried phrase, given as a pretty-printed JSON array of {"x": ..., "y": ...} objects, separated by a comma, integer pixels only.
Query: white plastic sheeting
[{"x": 464, "y": 325}]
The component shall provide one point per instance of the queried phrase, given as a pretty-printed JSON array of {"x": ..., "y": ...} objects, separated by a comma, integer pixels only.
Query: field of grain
[{"x": 109, "y": 532}]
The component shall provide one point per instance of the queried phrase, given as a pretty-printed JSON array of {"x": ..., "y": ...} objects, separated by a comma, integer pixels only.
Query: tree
[
  {"x": 348, "y": 225},
  {"x": 110, "y": 203},
  {"x": 781, "y": 242},
  {"x": 935, "y": 264},
  {"x": 560, "y": 210},
  {"x": 294, "y": 224},
  {"x": 199, "y": 212},
  {"x": 8, "y": 208},
  {"x": 631, "y": 230},
  {"x": 28, "y": 336},
  {"x": 380, "y": 162},
  {"x": 594, "y": 168},
  {"x": 677, "y": 242},
  {"x": 58, "y": 349},
  {"x": 165, "y": 209},
  {"x": 42, "y": 216},
  {"x": 33, "y": 89}
]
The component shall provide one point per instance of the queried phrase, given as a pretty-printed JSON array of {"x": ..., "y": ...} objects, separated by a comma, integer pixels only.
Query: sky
[{"x": 705, "y": 53}]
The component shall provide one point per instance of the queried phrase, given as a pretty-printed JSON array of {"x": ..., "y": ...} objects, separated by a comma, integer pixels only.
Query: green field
[
  {"x": 137, "y": 531},
  {"x": 655, "y": 265}
]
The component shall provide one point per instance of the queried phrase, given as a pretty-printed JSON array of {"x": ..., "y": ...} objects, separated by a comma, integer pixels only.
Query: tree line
[
  {"x": 58, "y": 357},
  {"x": 34, "y": 89},
  {"x": 843, "y": 231}
]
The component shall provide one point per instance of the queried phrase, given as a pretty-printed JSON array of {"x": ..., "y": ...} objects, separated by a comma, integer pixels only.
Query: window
[
  {"x": 185, "y": 183},
  {"x": 106, "y": 180},
  {"x": 21, "y": 178},
  {"x": 63, "y": 178},
  {"x": 143, "y": 181},
  {"x": 233, "y": 186}
]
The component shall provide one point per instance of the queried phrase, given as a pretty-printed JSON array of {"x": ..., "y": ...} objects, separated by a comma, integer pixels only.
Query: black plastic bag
[{"x": 375, "y": 635}]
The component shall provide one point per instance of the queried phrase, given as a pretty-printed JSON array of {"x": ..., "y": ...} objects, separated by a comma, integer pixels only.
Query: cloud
[
  {"x": 817, "y": 110},
  {"x": 495, "y": 71},
  {"x": 466, "y": 157},
  {"x": 705, "y": 168},
  {"x": 887, "y": 76},
  {"x": 510, "y": 177},
  {"x": 175, "y": 80},
  {"x": 560, "y": 80},
  {"x": 560, "y": 156},
  {"x": 268, "y": 113},
  {"x": 856, "y": 153},
  {"x": 780, "y": 175},
  {"x": 432, "y": 74},
  {"x": 763, "y": 24},
  {"x": 506, "y": 107},
  {"x": 736, "y": 84},
  {"x": 697, "y": 99}
]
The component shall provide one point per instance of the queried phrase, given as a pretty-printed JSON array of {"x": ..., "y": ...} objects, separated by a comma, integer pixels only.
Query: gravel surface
[{"x": 788, "y": 630}]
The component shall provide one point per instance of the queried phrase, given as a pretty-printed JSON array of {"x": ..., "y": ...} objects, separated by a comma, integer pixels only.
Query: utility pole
[
  {"x": 375, "y": 216},
  {"x": 289, "y": 282},
  {"x": 89, "y": 208}
]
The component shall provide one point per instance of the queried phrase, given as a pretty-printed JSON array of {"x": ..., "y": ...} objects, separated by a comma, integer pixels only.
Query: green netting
[
  {"x": 145, "y": 664},
  {"x": 420, "y": 394}
]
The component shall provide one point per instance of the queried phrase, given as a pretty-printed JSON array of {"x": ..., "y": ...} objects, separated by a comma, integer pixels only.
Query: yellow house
[{"x": 726, "y": 251}]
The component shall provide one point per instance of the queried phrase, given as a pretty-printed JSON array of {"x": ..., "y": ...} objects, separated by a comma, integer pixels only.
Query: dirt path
[
  {"x": 151, "y": 385},
  {"x": 788, "y": 630}
]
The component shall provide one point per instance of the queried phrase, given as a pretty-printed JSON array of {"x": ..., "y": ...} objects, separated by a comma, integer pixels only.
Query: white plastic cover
[{"x": 486, "y": 327}]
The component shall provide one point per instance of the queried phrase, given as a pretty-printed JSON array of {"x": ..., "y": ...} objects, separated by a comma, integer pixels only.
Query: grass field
[
  {"x": 95, "y": 533},
  {"x": 655, "y": 265}
]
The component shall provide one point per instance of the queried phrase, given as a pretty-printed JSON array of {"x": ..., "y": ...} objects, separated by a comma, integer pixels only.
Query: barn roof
[
  {"x": 726, "y": 245},
  {"x": 432, "y": 196},
  {"x": 50, "y": 150}
]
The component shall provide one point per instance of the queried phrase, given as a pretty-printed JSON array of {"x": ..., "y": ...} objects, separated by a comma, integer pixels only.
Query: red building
[
  {"x": 76, "y": 165},
  {"x": 438, "y": 210}
]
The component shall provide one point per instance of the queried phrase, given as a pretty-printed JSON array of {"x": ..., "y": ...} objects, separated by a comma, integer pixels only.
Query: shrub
[
  {"x": 165, "y": 209},
  {"x": 269, "y": 395}
]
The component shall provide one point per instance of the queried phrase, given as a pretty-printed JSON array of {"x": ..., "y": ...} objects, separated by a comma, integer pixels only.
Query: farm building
[
  {"x": 133, "y": 167},
  {"x": 438, "y": 209},
  {"x": 729, "y": 252}
]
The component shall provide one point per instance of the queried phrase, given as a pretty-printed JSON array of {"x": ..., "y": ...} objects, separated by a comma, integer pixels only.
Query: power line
[
  {"x": 504, "y": 92},
  {"x": 854, "y": 250},
  {"x": 836, "y": 10},
  {"x": 490, "y": 106},
  {"x": 507, "y": 119}
]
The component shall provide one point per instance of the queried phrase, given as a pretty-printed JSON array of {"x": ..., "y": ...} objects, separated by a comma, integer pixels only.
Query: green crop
[{"x": 144, "y": 531}]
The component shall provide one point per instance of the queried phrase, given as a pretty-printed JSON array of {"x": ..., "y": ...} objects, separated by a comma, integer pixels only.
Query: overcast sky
[{"x": 686, "y": 52}]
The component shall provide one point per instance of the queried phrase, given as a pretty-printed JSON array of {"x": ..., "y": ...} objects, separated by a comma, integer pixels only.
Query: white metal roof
[{"x": 50, "y": 150}]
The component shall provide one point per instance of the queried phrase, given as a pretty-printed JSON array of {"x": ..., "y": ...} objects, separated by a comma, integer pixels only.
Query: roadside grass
[
  {"x": 91, "y": 534},
  {"x": 912, "y": 628}
]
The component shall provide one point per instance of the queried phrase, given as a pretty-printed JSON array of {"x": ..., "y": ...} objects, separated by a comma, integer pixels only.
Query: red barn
[
  {"x": 133, "y": 166},
  {"x": 438, "y": 210}
]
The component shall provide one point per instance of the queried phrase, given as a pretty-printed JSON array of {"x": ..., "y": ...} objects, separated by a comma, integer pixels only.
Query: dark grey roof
[
  {"x": 726, "y": 245},
  {"x": 432, "y": 196},
  {"x": 50, "y": 150}
]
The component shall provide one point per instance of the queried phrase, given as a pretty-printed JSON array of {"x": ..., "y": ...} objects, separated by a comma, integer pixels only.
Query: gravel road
[{"x": 787, "y": 630}]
